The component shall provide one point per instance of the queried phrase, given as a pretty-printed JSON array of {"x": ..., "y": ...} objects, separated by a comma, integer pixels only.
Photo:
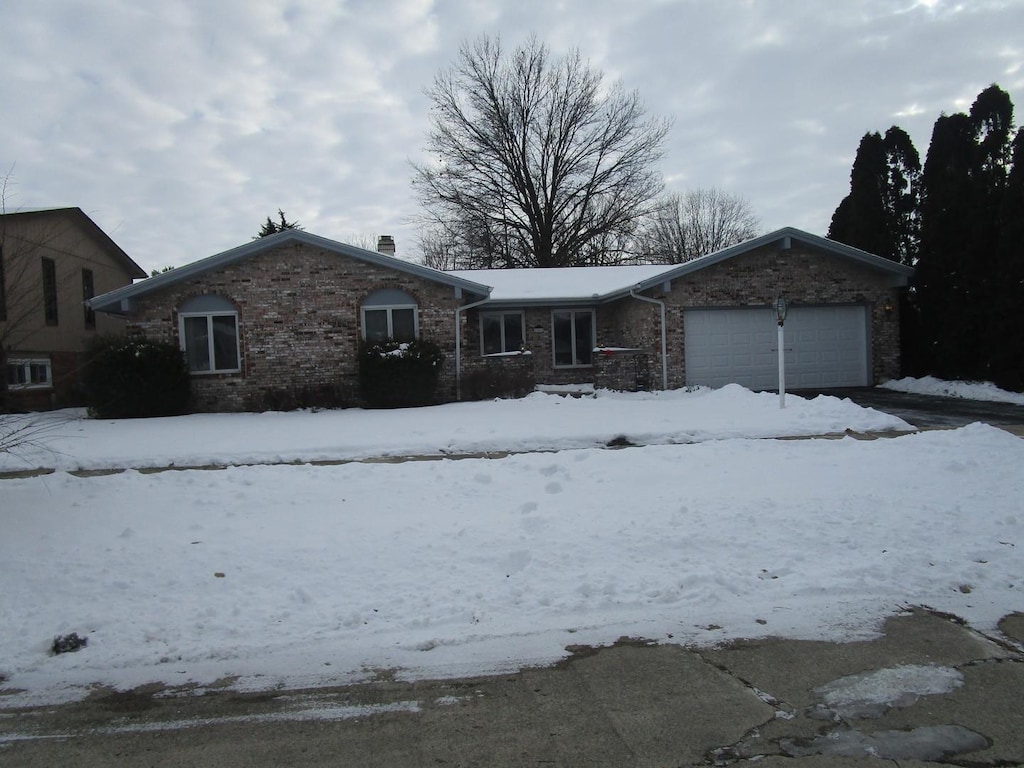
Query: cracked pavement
[{"x": 929, "y": 691}]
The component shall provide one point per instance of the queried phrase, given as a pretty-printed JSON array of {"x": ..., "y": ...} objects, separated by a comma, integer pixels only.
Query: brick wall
[
  {"x": 299, "y": 323},
  {"x": 749, "y": 280},
  {"x": 805, "y": 277}
]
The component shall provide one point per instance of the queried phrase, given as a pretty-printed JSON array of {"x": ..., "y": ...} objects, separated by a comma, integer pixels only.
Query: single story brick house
[{"x": 287, "y": 312}]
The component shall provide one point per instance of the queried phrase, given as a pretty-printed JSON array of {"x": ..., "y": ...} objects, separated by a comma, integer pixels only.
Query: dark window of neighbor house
[
  {"x": 208, "y": 332},
  {"x": 50, "y": 291},
  {"x": 3, "y": 286},
  {"x": 88, "y": 291},
  {"x": 572, "y": 333},
  {"x": 501, "y": 332},
  {"x": 390, "y": 314},
  {"x": 29, "y": 374}
]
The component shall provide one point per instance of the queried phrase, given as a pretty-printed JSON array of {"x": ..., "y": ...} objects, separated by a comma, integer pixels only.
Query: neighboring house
[
  {"x": 51, "y": 261},
  {"x": 287, "y": 312}
]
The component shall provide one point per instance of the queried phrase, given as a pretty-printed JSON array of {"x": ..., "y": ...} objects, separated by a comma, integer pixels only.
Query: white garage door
[{"x": 825, "y": 347}]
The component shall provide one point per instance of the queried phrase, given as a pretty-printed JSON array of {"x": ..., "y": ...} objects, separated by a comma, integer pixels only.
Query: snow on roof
[{"x": 560, "y": 283}]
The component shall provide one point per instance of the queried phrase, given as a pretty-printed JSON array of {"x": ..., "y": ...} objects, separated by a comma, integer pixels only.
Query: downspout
[
  {"x": 458, "y": 343},
  {"x": 664, "y": 336}
]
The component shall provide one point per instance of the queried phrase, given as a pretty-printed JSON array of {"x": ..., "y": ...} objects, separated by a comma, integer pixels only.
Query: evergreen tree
[
  {"x": 942, "y": 285},
  {"x": 991, "y": 118},
  {"x": 902, "y": 195},
  {"x": 271, "y": 227},
  {"x": 860, "y": 218},
  {"x": 1008, "y": 307},
  {"x": 881, "y": 212}
]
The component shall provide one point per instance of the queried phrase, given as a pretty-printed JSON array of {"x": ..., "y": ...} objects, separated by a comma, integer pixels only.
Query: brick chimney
[{"x": 386, "y": 245}]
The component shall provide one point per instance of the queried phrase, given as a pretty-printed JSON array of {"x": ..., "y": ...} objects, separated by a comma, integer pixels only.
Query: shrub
[
  {"x": 290, "y": 399},
  {"x": 396, "y": 374},
  {"x": 130, "y": 378},
  {"x": 498, "y": 382}
]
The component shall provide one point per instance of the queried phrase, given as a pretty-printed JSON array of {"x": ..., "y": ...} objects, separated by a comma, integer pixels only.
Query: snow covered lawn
[{"x": 305, "y": 575}]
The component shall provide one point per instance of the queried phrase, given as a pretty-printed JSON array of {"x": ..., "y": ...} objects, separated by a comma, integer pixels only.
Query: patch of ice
[{"x": 870, "y": 694}]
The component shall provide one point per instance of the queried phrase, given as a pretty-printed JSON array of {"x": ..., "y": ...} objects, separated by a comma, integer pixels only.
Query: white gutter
[
  {"x": 664, "y": 339},
  {"x": 458, "y": 344}
]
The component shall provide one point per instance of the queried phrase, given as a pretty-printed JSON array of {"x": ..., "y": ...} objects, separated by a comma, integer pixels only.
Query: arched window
[
  {"x": 208, "y": 332},
  {"x": 390, "y": 314}
]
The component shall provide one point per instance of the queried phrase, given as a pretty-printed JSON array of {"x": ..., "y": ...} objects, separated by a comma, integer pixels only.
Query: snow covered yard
[{"x": 304, "y": 575}]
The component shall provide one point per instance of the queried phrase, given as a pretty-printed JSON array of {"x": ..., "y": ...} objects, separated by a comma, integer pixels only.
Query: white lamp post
[{"x": 781, "y": 306}]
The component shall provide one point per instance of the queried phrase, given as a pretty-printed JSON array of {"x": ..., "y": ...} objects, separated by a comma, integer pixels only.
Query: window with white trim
[
  {"x": 572, "y": 337},
  {"x": 501, "y": 332},
  {"x": 34, "y": 373},
  {"x": 390, "y": 314},
  {"x": 208, "y": 333}
]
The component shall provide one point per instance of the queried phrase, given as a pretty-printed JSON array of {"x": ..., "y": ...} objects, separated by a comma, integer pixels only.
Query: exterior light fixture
[{"x": 781, "y": 307}]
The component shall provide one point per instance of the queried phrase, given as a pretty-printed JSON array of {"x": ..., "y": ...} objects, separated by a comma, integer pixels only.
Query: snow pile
[
  {"x": 537, "y": 422},
  {"x": 968, "y": 390}
]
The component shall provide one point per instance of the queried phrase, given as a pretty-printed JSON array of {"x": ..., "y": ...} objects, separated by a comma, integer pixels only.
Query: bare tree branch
[
  {"x": 538, "y": 154},
  {"x": 696, "y": 223}
]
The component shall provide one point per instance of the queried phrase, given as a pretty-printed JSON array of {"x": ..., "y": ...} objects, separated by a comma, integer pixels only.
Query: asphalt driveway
[{"x": 925, "y": 411}]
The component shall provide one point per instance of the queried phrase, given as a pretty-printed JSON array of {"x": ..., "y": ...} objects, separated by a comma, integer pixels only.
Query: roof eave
[
  {"x": 112, "y": 301},
  {"x": 900, "y": 271},
  {"x": 106, "y": 241}
]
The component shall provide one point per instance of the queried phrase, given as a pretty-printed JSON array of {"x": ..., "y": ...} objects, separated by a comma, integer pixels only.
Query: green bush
[
  {"x": 396, "y": 374},
  {"x": 131, "y": 378}
]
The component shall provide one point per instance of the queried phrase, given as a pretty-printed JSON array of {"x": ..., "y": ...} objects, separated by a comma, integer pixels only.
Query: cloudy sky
[{"x": 179, "y": 126}]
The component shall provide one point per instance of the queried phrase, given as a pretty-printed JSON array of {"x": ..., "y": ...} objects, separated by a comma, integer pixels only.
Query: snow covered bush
[
  {"x": 131, "y": 378},
  {"x": 399, "y": 374}
]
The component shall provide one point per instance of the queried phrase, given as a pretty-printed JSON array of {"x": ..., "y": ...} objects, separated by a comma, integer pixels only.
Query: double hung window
[
  {"x": 572, "y": 333},
  {"x": 29, "y": 374},
  {"x": 501, "y": 332},
  {"x": 208, "y": 332},
  {"x": 390, "y": 314}
]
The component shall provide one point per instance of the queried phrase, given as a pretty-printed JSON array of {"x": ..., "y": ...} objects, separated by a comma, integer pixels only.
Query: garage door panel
[{"x": 825, "y": 347}]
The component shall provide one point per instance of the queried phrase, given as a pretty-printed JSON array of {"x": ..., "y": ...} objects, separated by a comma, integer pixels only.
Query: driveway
[{"x": 924, "y": 411}]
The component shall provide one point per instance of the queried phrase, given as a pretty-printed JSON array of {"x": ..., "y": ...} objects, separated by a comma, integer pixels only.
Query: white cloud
[{"x": 149, "y": 116}]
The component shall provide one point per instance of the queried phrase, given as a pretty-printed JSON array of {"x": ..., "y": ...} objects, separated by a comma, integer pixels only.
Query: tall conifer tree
[{"x": 940, "y": 288}]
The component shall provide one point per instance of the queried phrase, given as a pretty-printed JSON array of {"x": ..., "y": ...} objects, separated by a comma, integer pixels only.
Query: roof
[
  {"x": 560, "y": 285},
  {"x": 785, "y": 237},
  {"x": 514, "y": 287},
  {"x": 90, "y": 226},
  {"x": 569, "y": 285},
  {"x": 113, "y": 301}
]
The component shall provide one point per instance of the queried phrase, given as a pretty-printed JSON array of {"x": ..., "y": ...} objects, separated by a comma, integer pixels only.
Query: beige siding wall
[{"x": 73, "y": 246}]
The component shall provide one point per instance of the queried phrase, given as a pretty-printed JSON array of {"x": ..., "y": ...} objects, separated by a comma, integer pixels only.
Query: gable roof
[
  {"x": 113, "y": 302},
  {"x": 79, "y": 217},
  {"x": 515, "y": 287},
  {"x": 784, "y": 238},
  {"x": 596, "y": 285}
]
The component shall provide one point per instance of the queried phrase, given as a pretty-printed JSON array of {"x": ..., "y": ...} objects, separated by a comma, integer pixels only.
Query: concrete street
[{"x": 928, "y": 692}]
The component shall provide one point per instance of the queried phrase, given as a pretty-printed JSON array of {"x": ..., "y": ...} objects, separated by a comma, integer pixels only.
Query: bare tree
[
  {"x": 538, "y": 154},
  {"x": 696, "y": 223}
]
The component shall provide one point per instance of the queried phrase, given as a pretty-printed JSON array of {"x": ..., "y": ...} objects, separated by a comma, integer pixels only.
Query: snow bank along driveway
[{"x": 303, "y": 574}]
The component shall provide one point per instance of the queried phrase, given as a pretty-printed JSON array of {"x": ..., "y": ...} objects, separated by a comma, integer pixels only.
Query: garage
[{"x": 826, "y": 346}]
